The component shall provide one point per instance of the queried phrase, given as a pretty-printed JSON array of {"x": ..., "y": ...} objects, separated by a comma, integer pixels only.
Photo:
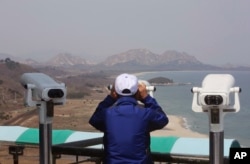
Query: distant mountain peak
[
  {"x": 142, "y": 50},
  {"x": 140, "y": 56},
  {"x": 181, "y": 57},
  {"x": 66, "y": 59},
  {"x": 148, "y": 58}
]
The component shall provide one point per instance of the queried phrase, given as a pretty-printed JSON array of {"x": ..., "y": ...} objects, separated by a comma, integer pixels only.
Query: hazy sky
[{"x": 214, "y": 31}]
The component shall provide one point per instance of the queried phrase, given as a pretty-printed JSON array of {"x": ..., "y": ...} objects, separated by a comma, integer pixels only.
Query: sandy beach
[
  {"x": 176, "y": 127},
  {"x": 74, "y": 115}
]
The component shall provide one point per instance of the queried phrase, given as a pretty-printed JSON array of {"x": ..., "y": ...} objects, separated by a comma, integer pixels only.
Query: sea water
[{"x": 177, "y": 100}]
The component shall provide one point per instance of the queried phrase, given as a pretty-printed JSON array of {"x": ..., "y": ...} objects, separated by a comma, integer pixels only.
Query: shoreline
[{"x": 176, "y": 127}]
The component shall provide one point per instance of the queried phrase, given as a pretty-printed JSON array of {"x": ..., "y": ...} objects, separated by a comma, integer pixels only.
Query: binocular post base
[{"x": 216, "y": 147}]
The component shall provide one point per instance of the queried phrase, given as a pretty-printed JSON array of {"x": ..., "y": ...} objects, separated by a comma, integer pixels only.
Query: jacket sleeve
[
  {"x": 157, "y": 117},
  {"x": 98, "y": 118}
]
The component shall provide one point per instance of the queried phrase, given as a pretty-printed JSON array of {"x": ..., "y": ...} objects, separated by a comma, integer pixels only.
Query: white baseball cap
[{"x": 126, "y": 84}]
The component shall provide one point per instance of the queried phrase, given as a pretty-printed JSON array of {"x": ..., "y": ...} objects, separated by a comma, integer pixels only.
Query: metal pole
[
  {"x": 43, "y": 144},
  {"x": 16, "y": 151},
  {"x": 216, "y": 136},
  {"x": 45, "y": 132},
  {"x": 49, "y": 128},
  {"x": 216, "y": 147},
  {"x": 49, "y": 116}
]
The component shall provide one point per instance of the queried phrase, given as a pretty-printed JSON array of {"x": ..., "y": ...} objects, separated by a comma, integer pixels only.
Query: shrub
[{"x": 76, "y": 95}]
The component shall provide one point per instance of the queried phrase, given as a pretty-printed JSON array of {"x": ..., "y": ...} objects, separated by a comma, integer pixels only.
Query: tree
[{"x": 7, "y": 60}]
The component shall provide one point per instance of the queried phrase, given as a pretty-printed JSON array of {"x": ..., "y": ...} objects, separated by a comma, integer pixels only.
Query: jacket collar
[{"x": 126, "y": 100}]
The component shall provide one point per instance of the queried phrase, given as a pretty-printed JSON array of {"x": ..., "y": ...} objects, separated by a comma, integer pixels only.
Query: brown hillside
[{"x": 10, "y": 88}]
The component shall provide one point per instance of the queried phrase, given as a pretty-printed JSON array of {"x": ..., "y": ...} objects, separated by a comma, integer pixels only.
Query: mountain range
[
  {"x": 143, "y": 59},
  {"x": 134, "y": 59},
  {"x": 81, "y": 76}
]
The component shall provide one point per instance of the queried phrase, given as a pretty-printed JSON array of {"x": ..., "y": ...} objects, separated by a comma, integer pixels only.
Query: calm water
[{"x": 177, "y": 100}]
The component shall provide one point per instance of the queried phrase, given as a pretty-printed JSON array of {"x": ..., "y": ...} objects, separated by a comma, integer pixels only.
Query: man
[{"x": 126, "y": 124}]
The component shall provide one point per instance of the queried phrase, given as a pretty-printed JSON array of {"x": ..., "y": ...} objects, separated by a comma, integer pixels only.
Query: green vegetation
[
  {"x": 11, "y": 64},
  {"x": 4, "y": 116},
  {"x": 76, "y": 95},
  {"x": 160, "y": 80}
]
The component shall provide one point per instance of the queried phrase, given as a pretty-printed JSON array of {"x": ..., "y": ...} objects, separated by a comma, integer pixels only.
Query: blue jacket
[{"x": 127, "y": 126}]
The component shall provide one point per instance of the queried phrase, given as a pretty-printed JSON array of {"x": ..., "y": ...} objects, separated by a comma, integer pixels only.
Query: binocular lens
[
  {"x": 213, "y": 99},
  {"x": 55, "y": 93}
]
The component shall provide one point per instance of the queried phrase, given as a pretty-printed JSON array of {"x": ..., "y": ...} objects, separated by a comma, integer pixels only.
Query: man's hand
[
  {"x": 113, "y": 93},
  {"x": 142, "y": 92}
]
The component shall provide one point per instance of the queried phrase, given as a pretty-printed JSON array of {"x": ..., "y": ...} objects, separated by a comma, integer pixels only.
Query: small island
[{"x": 163, "y": 81}]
